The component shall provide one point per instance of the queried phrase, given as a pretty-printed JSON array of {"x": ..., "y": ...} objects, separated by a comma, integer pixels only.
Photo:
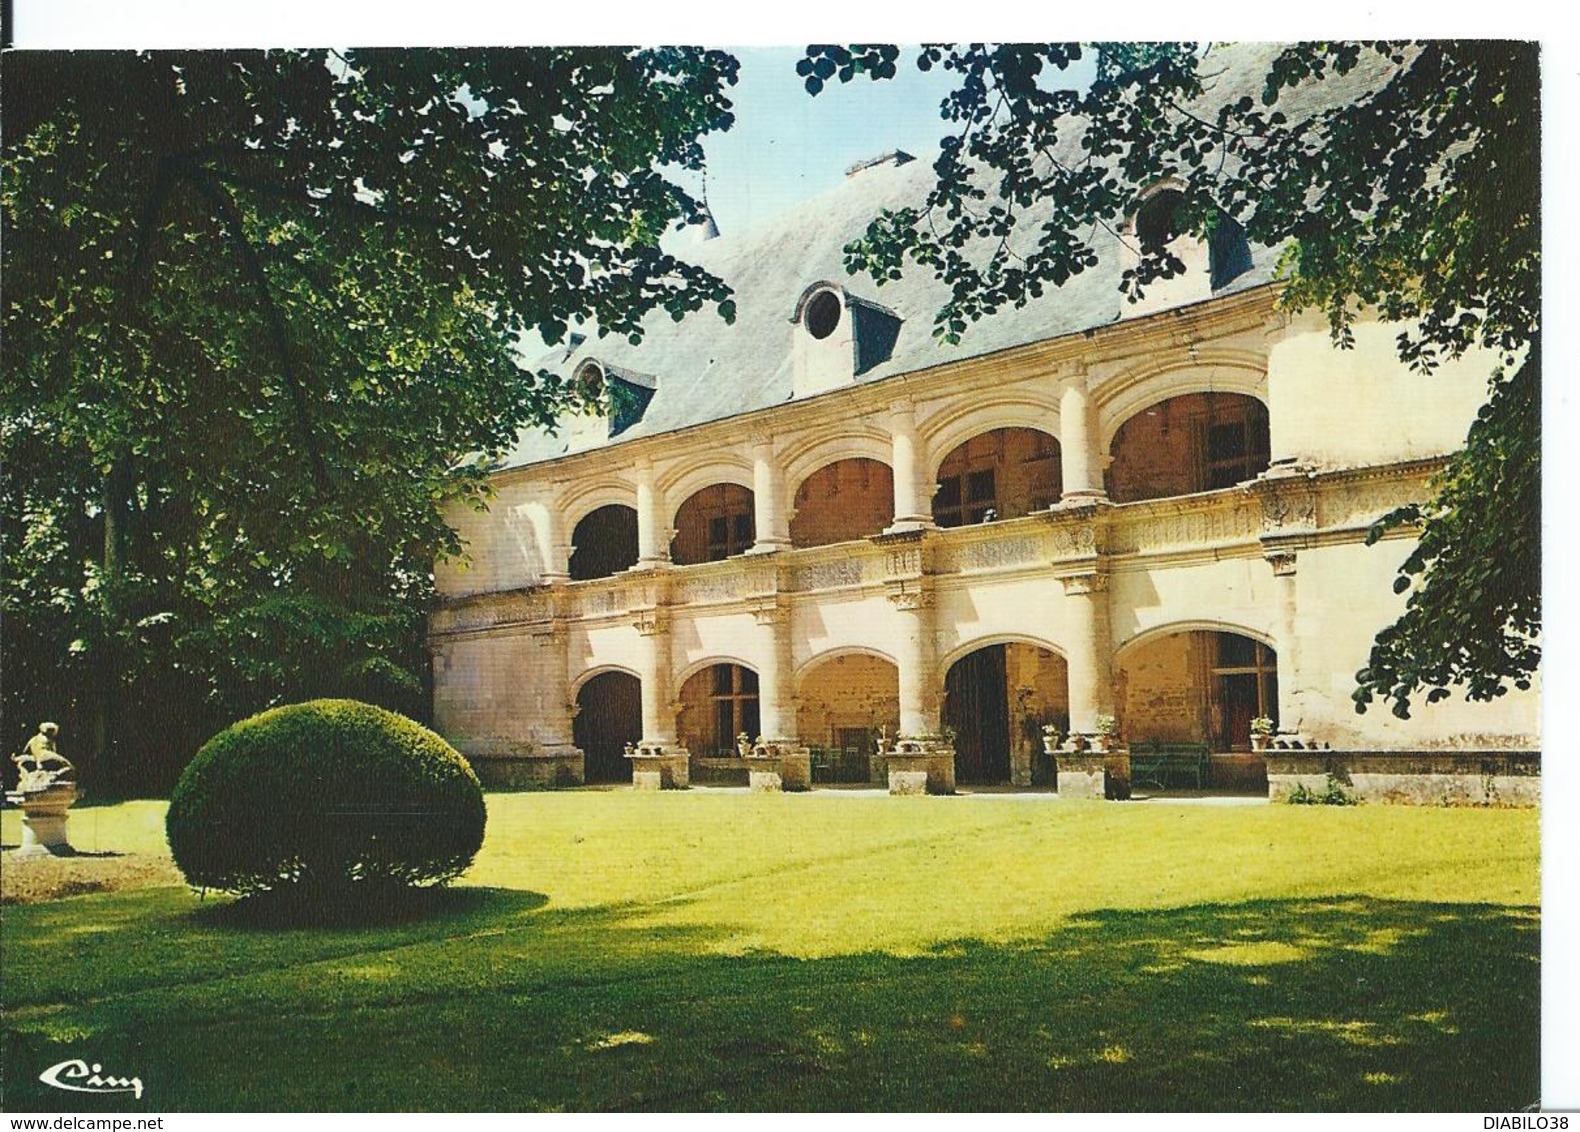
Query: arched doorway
[
  {"x": 714, "y": 524},
  {"x": 1201, "y": 687},
  {"x": 1001, "y": 474},
  {"x": 1194, "y": 442},
  {"x": 718, "y": 703},
  {"x": 845, "y": 704},
  {"x": 845, "y": 500},
  {"x": 608, "y": 716},
  {"x": 997, "y": 699},
  {"x": 604, "y": 543}
]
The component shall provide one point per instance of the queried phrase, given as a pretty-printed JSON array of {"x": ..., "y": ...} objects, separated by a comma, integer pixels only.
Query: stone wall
[
  {"x": 1431, "y": 778},
  {"x": 1038, "y": 682},
  {"x": 1163, "y": 691},
  {"x": 847, "y": 692},
  {"x": 845, "y": 500}
]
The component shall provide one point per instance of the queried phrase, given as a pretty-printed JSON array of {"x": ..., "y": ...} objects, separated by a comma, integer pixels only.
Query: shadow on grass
[
  {"x": 362, "y": 906},
  {"x": 1348, "y": 1003}
]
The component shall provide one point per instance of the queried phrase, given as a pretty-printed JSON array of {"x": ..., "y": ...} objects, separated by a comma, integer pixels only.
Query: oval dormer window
[
  {"x": 590, "y": 381},
  {"x": 1157, "y": 224},
  {"x": 823, "y": 314}
]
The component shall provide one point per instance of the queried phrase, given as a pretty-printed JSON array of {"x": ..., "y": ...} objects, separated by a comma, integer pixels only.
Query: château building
[{"x": 822, "y": 528}]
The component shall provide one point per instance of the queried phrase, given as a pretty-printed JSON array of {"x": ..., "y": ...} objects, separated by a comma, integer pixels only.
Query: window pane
[
  {"x": 721, "y": 680},
  {"x": 748, "y": 682},
  {"x": 1235, "y": 651},
  {"x": 948, "y": 492},
  {"x": 1226, "y": 441},
  {"x": 980, "y": 488},
  {"x": 1226, "y": 475},
  {"x": 751, "y": 721}
]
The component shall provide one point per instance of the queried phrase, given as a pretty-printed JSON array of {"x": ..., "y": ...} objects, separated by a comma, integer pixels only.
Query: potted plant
[
  {"x": 1107, "y": 728},
  {"x": 743, "y": 744},
  {"x": 1262, "y": 728}
]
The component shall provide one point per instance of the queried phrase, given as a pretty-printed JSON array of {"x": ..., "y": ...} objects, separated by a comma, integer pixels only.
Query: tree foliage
[
  {"x": 1398, "y": 177},
  {"x": 260, "y": 319}
]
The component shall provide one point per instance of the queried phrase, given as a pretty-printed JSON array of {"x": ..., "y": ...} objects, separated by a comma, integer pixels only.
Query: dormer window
[
  {"x": 838, "y": 337},
  {"x": 1211, "y": 262},
  {"x": 1158, "y": 221},
  {"x": 589, "y": 382},
  {"x": 823, "y": 313},
  {"x": 621, "y": 395}
]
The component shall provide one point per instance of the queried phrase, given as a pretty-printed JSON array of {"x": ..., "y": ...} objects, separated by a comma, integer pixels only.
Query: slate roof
[{"x": 707, "y": 370}]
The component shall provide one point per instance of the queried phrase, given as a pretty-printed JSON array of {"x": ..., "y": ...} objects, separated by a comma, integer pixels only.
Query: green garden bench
[{"x": 1164, "y": 764}]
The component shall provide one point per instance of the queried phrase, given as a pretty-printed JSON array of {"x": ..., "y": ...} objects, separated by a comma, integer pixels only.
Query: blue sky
[{"x": 787, "y": 145}]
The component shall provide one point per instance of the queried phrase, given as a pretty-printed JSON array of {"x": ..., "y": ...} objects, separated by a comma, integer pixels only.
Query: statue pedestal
[
  {"x": 44, "y": 821},
  {"x": 657, "y": 767},
  {"x": 776, "y": 765}
]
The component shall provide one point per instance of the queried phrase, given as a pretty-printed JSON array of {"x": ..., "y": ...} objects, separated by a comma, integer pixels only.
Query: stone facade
[{"x": 1160, "y": 518}]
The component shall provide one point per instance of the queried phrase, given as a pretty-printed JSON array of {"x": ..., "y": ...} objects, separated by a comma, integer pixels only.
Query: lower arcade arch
[
  {"x": 847, "y": 704},
  {"x": 608, "y": 716},
  {"x": 997, "y": 700},
  {"x": 718, "y": 703},
  {"x": 1200, "y": 686}
]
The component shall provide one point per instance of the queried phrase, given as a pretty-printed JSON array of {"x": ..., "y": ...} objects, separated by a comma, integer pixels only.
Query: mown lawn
[{"x": 613, "y": 950}]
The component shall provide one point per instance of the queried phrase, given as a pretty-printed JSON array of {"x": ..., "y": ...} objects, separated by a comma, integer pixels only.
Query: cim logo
[{"x": 77, "y": 1076}]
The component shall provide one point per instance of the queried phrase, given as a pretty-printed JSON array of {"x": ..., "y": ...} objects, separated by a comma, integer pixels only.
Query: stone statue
[
  {"x": 40, "y": 763},
  {"x": 45, "y": 792}
]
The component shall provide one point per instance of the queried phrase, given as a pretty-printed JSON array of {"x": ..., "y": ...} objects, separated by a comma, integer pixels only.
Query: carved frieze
[
  {"x": 760, "y": 574},
  {"x": 1074, "y": 538},
  {"x": 1000, "y": 553},
  {"x": 1288, "y": 499},
  {"x": 491, "y": 611},
  {"x": 906, "y": 554},
  {"x": 829, "y": 575},
  {"x": 1164, "y": 523},
  {"x": 709, "y": 587},
  {"x": 1355, "y": 502},
  {"x": 605, "y": 601}
]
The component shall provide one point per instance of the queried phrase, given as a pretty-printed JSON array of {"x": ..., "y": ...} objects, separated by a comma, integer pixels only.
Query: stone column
[
  {"x": 913, "y": 506},
  {"x": 556, "y": 544},
  {"x": 1080, "y": 458},
  {"x": 658, "y": 762},
  {"x": 1090, "y": 656},
  {"x": 920, "y": 759},
  {"x": 777, "y": 760},
  {"x": 1291, "y": 710},
  {"x": 651, "y": 545},
  {"x": 768, "y": 489},
  {"x": 562, "y": 762},
  {"x": 775, "y": 673}
]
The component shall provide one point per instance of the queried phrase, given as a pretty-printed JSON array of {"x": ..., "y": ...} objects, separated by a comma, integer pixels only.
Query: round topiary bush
[{"x": 328, "y": 795}]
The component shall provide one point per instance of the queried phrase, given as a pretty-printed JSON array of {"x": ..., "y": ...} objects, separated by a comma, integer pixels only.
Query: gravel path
[{"x": 52, "y": 878}]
